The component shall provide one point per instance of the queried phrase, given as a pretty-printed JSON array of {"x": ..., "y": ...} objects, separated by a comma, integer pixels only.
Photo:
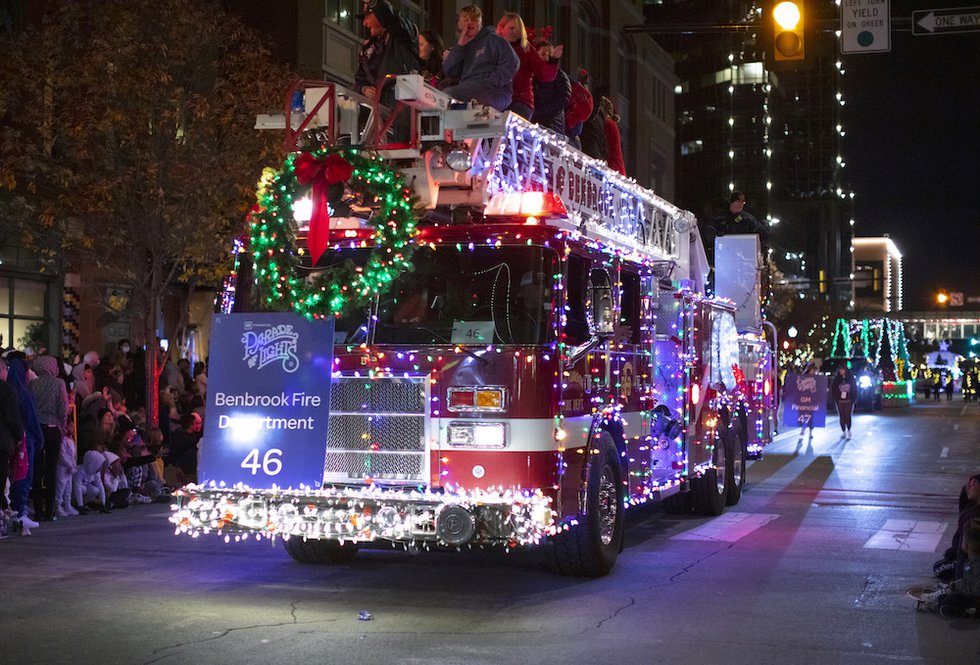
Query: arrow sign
[{"x": 943, "y": 21}]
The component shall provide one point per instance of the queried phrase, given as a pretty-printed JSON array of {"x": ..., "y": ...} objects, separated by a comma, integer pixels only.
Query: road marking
[
  {"x": 728, "y": 527},
  {"x": 956, "y": 426},
  {"x": 911, "y": 535},
  {"x": 945, "y": 452}
]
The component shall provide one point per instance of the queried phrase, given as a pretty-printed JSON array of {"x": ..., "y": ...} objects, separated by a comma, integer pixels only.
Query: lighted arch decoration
[
  {"x": 330, "y": 291},
  {"x": 872, "y": 334}
]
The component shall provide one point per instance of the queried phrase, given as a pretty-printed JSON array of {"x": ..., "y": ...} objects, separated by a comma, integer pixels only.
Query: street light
[{"x": 788, "y": 31}]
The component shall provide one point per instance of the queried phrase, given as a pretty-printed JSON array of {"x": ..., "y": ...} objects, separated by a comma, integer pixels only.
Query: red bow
[{"x": 322, "y": 173}]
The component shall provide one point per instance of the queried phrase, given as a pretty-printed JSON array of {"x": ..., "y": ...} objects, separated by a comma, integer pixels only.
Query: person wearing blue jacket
[
  {"x": 11, "y": 432},
  {"x": 19, "y": 490},
  {"x": 481, "y": 66}
]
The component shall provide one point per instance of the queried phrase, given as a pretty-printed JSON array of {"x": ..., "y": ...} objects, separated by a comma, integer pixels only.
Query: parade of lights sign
[{"x": 268, "y": 400}]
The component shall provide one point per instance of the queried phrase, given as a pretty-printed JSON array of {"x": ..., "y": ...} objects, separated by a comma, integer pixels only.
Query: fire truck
[{"x": 549, "y": 360}]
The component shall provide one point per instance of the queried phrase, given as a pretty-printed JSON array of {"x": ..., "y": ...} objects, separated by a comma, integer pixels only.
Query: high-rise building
[{"x": 773, "y": 133}]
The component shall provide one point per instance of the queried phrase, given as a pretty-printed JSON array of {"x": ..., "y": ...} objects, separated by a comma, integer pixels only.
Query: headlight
[
  {"x": 864, "y": 381},
  {"x": 477, "y": 434}
]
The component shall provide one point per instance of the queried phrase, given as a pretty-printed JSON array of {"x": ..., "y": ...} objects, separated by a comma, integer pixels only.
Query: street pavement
[{"x": 811, "y": 567}]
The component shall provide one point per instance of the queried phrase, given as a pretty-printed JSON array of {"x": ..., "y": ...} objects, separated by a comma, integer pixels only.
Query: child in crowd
[
  {"x": 89, "y": 483},
  {"x": 64, "y": 475},
  {"x": 116, "y": 486}
]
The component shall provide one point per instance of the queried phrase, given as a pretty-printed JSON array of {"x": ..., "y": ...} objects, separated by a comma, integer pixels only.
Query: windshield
[{"x": 479, "y": 296}]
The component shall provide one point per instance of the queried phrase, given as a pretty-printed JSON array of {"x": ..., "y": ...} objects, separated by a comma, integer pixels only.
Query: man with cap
[
  {"x": 734, "y": 220},
  {"x": 392, "y": 47}
]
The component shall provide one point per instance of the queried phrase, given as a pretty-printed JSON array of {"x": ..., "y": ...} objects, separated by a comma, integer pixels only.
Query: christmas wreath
[{"x": 332, "y": 289}]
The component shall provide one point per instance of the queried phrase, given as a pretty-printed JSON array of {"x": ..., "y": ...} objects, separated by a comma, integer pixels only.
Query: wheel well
[{"x": 615, "y": 430}]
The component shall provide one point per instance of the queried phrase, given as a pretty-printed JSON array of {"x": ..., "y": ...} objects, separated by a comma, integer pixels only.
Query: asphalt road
[{"x": 811, "y": 567}]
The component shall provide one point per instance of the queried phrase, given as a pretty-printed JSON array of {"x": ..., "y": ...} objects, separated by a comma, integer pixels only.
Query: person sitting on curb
[
  {"x": 955, "y": 556},
  {"x": 963, "y": 593}
]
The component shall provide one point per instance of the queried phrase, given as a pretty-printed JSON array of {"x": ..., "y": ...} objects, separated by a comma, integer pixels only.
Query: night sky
[{"x": 912, "y": 152}]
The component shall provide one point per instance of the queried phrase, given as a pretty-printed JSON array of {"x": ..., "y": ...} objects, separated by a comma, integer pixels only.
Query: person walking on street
[{"x": 844, "y": 391}]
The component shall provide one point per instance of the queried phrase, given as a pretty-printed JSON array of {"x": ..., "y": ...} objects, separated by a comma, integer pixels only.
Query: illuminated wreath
[{"x": 331, "y": 290}]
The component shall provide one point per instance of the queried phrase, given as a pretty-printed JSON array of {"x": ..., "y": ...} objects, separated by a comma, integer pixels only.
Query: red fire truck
[{"x": 548, "y": 361}]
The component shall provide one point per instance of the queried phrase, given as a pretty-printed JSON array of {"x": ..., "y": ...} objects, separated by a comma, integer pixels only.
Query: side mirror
[{"x": 603, "y": 309}]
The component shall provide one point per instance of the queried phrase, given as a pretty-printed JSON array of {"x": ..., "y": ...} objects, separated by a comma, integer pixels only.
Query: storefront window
[
  {"x": 341, "y": 13},
  {"x": 28, "y": 298},
  {"x": 22, "y": 305}
]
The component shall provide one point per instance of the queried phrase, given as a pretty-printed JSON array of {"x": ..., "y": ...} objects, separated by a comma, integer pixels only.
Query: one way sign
[{"x": 944, "y": 21}]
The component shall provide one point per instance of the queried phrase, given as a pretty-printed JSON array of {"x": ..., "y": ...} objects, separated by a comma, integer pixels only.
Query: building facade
[{"x": 878, "y": 275}]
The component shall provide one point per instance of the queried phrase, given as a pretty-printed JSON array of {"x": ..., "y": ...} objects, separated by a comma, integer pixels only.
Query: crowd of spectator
[
  {"x": 501, "y": 68},
  {"x": 75, "y": 437}
]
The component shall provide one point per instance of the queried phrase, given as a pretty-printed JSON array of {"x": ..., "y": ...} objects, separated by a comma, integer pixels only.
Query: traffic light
[{"x": 787, "y": 26}]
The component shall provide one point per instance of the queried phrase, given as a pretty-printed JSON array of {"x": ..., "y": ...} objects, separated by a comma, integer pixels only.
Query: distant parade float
[{"x": 882, "y": 343}]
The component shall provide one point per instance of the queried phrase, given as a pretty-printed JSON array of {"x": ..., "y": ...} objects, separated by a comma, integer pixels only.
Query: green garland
[{"x": 331, "y": 291}]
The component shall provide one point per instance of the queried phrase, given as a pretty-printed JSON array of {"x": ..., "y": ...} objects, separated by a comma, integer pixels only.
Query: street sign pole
[
  {"x": 946, "y": 21},
  {"x": 865, "y": 26}
]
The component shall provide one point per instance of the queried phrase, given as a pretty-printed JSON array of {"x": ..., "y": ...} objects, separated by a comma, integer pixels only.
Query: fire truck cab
[{"x": 549, "y": 361}]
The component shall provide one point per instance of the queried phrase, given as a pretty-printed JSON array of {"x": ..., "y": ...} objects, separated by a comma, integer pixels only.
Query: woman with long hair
[
  {"x": 533, "y": 67},
  {"x": 610, "y": 126},
  {"x": 844, "y": 390},
  {"x": 431, "y": 47}
]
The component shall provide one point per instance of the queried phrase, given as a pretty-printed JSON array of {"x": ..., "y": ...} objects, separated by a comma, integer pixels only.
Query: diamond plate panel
[
  {"x": 363, "y": 444},
  {"x": 358, "y": 466}
]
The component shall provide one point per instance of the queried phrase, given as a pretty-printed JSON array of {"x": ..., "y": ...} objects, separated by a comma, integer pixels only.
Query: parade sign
[
  {"x": 268, "y": 400},
  {"x": 805, "y": 400}
]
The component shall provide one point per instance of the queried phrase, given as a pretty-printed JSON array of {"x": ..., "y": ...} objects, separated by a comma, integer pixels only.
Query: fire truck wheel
[
  {"x": 320, "y": 551},
  {"x": 711, "y": 489},
  {"x": 736, "y": 465},
  {"x": 590, "y": 548}
]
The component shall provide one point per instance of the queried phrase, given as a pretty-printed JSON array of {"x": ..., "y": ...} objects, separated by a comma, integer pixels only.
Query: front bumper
[{"x": 365, "y": 514}]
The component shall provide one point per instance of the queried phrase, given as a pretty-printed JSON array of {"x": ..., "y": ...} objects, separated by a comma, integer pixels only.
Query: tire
[
  {"x": 737, "y": 454},
  {"x": 710, "y": 491},
  {"x": 319, "y": 551},
  {"x": 590, "y": 548}
]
